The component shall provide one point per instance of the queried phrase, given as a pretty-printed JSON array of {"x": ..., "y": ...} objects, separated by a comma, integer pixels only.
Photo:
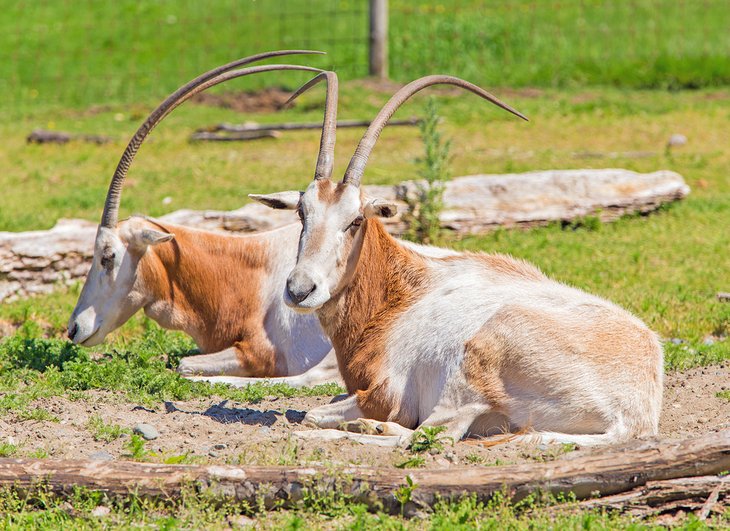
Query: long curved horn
[
  {"x": 359, "y": 160},
  {"x": 111, "y": 206},
  {"x": 326, "y": 157}
]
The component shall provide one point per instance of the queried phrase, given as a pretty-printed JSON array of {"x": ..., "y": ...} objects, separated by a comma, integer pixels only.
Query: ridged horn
[
  {"x": 356, "y": 168},
  {"x": 110, "y": 215},
  {"x": 326, "y": 157}
]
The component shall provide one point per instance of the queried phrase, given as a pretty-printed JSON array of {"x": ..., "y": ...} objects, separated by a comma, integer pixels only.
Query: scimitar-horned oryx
[
  {"x": 223, "y": 290},
  {"x": 477, "y": 343}
]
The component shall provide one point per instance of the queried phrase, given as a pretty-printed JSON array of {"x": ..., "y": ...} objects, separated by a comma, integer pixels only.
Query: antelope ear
[
  {"x": 279, "y": 200},
  {"x": 147, "y": 237},
  {"x": 380, "y": 208}
]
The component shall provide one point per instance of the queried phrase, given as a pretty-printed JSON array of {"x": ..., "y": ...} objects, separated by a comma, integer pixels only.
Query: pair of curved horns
[
  {"x": 213, "y": 77},
  {"x": 356, "y": 168}
]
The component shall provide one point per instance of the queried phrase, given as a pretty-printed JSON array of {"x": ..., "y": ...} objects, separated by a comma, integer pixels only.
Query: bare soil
[
  {"x": 263, "y": 101},
  {"x": 262, "y": 433}
]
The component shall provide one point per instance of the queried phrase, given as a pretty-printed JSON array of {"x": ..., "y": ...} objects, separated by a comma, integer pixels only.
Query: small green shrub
[
  {"x": 102, "y": 431},
  {"x": 136, "y": 450},
  {"x": 416, "y": 461},
  {"x": 39, "y": 453},
  {"x": 429, "y": 439},
  {"x": 404, "y": 493},
  {"x": 7, "y": 449},
  {"x": 425, "y": 206}
]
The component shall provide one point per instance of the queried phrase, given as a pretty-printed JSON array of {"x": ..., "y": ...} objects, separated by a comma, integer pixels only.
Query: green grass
[
  {"x": 7, "y": 449},
  {"x": 664, "y": 267},
  {"x": 101, "y": 431},
  {"x": 85, "y": 52},
  {"x": 638, "y": 44},
  {"x": 142, "y": 369},
  {"x": 193, "y": 510}
]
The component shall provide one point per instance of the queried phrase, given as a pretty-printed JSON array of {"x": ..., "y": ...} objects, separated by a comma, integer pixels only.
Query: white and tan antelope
[
  {"x": 478, "y": 343},
  {"x": 222, "y": 290}
]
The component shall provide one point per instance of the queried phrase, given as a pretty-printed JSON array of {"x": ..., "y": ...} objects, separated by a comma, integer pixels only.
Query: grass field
[
  {"x": 662, "y": 266},
  {"x": 193, "y": 511},
  {"x": 78, "y": 53}
]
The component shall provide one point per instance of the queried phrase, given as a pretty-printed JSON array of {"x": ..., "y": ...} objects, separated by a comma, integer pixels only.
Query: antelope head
[
  {"x": 334, "y": 215},
  {"x": 113, "y": 291}
]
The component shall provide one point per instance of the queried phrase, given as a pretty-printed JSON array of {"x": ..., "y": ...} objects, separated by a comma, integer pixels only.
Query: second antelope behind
[{"x": 477, "y": 343}]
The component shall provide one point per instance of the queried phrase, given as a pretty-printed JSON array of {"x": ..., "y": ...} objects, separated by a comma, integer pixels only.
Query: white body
[
  {"x": 481, "y": 344},
  {"x": 548, "y": 389}
]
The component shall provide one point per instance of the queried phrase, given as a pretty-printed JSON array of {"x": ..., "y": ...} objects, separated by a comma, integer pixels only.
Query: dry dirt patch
[
  {"x": 263, "y": 101},
  {"x": 261, "y": 433}
]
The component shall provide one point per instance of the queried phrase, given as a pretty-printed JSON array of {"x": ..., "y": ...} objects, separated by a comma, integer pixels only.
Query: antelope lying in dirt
[
  {"x": 224, "y": 291},
  {"x": 477, "y": 343}
]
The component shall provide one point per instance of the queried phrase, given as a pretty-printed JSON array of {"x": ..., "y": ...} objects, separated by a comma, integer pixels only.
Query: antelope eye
[
  {"x": 356, "y": 222},
  {"x": 107, "y": 261}
]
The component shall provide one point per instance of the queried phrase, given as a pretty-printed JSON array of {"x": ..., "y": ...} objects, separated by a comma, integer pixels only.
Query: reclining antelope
[
  {"x": 474, "y": 342},
  {"x": 222, "y": 290}
]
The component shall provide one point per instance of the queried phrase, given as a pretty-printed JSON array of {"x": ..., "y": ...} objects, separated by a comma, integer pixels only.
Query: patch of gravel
[{"x": 222, "y": 431}]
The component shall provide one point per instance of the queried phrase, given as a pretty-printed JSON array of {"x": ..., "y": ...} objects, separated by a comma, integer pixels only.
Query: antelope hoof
[
  {"x": 364, "y": 426},
  {"x": 186, "y": 368},
  {"x": 312, "y": 421}
]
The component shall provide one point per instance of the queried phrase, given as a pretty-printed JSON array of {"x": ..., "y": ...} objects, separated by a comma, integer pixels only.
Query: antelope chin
[
  {"x": 90, "y": 340},
  {"x": 309, "y": 305}
]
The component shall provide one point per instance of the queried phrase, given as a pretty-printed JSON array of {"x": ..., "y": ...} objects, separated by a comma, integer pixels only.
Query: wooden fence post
[{"x": 379, "y": 38}]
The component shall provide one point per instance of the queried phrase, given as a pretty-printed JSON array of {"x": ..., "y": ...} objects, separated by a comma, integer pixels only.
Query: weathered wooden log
[
  {"x": 297, "y": 126},
  {"x": 36, "y": 261},
  {"x": 480, "y": 203},
  {"x": 233, "y": 137},
  {"x": 702, "y": 494},
  {"x": 606, "y": 473},
  {"x": 41, "y": 136}
]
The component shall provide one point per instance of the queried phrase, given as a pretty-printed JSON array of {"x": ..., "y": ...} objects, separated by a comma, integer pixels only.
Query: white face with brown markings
[
  {"x": 110, "y": 295},
  {"x": 331, "y": 215}
]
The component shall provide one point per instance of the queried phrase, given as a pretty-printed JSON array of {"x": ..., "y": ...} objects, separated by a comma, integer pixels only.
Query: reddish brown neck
[
  {"x": 387, "y": 279},
  {"x": 210, "y": 284}
]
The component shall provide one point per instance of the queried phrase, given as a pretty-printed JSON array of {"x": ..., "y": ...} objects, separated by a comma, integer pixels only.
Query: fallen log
[
  {"x": 615, "y": 470},
  {"x": 232, "y": 137},
  {"x": 296, "y": 126},
  {"x": 476, "y": 204},
  {"x": 41, "y": 136},
  {"x": 702, "y": 495},
  {"x": 32, "y": 262}
]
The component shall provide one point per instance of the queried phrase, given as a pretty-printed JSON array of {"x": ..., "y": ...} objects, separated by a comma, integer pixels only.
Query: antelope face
[
  {"x": 330, "y": 241},
  {"x": 112, "y": 293}
]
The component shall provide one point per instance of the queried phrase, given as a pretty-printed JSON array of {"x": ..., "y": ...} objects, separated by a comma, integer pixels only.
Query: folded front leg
[
  {"x": 224, "y": 363},
  {"x": 253, "y": 356},
  {"x": 326, "y": 371},
  {"x": 334, "y": 414}
]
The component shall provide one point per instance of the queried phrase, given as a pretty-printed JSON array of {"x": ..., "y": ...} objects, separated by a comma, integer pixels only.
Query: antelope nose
[
  {"x": 72, "y": 331},
  {"x": 299, "y": 288}
]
